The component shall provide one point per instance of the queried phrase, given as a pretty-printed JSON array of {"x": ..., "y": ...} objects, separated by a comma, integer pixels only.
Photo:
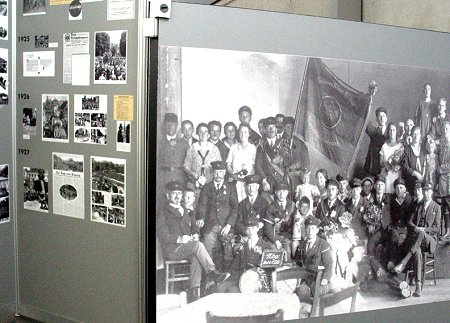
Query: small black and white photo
[
  {"x": 91, "y": 102},
  {"x": 4, "y": 194},
  {"x": 34, "y": 7},
  {"x": 3, "y": 61},
  {"x": 29, "y": 127},
  {"x": 35, "y": 183},
  {"x": 68, "y": 192},
  {"x": 4, "y": 19},
  {"x": 116, "y": 216},
  {"x": 98, "y": 197},
  {"x": 4, "y": 209},
  {"x": 66, "y": 162},
  {"x": 117, "y": 200},
  {"x": 110, "y": 57},
  {"x": 123, "y": 134},
  {"x": 4, "y": 8},
  {"x": 55, "y": 117},
  {"x": 99, "y": 213},
  {"x": 98, "y": 136},
  {"x": 41, "y": 41},
  {"x": 82, "y": 119},
  {"x": 82, "y": 135},
  {"x": 98, "y": 120}
]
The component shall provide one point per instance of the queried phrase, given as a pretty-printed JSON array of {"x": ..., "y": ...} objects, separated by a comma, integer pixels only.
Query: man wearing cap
[
  {"x": 215, "y": 129},
  {"x": 356, "y": 205},
  {"x": 377, "y": 136},
  {"x": 378, "y": 233},
  {"x": 175, "y": 230},
  {"x": 312, "y": 253},
  {"x": 245, "y": 117},
  {"x": 401, "y": 209},
  {"x": 423, "y": 230},
  {"x": 343, "y": 194},
  {"x": 171, "y": 154},
  {"x": 278, "y": 219},
  {"x": 269, "y": 161},
  {"x": 330, "y": 208},
  {"x": 254, "y": 245},
  {"x": 217, "y": 212},
  {"x": 252, "y": 206}
]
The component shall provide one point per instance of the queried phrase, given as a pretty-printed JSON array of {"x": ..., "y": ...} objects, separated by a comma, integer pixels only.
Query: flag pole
[
  {"x": 372, "y": 90},
  {"x": 300, "y": 97}
]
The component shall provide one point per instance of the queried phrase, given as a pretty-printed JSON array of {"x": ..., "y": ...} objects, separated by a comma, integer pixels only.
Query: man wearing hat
[
  {"x": 423, "y": 230},
  {"x": 175, "y": 230},
  {"x": 343, "y": 194},
  {"x": 378, "y": 233},
  {"x": 269, "y": 160},
  {"x": 312, "y": 253},
  {"x": 356, "y": 205},
  {"x": 330, "y": 209},
  {"x": 377, "y": 136},
  {"x": 252, "y": 206},
  {"x": 254, "y": 245},
  {"x": 217, "y": 212},
  {"x": 401, "y": 209},
  {"x": 278, "y": 219},
  {"x": 171, "y": 153},
  {"x": 245, "y": 117}
]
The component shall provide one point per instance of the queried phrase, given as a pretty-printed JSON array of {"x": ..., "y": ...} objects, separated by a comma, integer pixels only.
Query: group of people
[
  {"x": 114, "y": 70},
  {"x": 227, "y": 200}
]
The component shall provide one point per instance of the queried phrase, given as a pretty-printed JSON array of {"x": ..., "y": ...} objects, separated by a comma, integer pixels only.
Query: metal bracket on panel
[{"x": 157, "y": 9}]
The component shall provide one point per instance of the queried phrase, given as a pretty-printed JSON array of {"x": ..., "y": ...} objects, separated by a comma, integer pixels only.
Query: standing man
[
  {"x": 187, "y": 129},
  {"x": 245, "y": 117},
  {"x": 377, "y": 136},
  {"x": 215, "y": 129},
  {"x": 344, "y": 194},
  {"x": 425, "y": 112},
  {"x": 171, "y": 154},
  {"x": 175, "y": 230},
  {"x": 423, "y": 230},
  {"x": 356, "y": 205},
  {"x": 438, "y": 126},
  {"x": 216, "y": 213}
]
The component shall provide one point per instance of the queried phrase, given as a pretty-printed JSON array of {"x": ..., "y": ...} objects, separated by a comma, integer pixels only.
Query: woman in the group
[
  {"x": 199, "y": 156},
  {"x": 230, "y": 131},
  {"x": 321, "y": 178},
  {"x": 367, "y": 189},
  {"x": 413, "y": 165},
  {"x": 241, "y": 160},
  {"x": 391, "y": 156}
]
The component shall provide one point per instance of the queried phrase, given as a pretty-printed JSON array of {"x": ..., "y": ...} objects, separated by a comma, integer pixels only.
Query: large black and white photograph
[
  {"x": 55, "y": 117},
  {"x": 68, "y": 185},
  {"x": 110, "y": 57},
  {"x": 35, "y": 184},
  {"x": 29, "y": 126},
  {"x": 4, "y": 193},
  {"x": 343, "y": 166},
  {"x": 108, "y": 195},
  {"x": 34, "y": 7},
  {"x": 90, "y": 121}
]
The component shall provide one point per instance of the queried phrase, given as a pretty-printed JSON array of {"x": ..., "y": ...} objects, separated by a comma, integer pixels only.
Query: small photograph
[
  {"x": 90, "y": 102},
  {"x": 99, "y": 213},
  {"x": 4, "y": 209},
  {"x": 4, "y": 62},
  {"x": 98, "y": 136},
  {"x": 29, "y": 122},
  {"x": 110, "y": 57},
  {"x": 41, "y": 41},
  {"x": 82, "y": 119},
  {"x": 98, "y": 120},
  {"x": 55, "y": 115},
  {"x": 82, "y": 135},
  {"x": 33, "y": 7},
  {"x": 116, "y": 216},
  {"x": 3, "y": 99},
  {"x": 68, "y": 192},
  {"x": 35, "y": 182},
  {"x": 108, "y": 174},
  {"x": 4, "y": 181},
  {"x": 66, "y": 162},
  {"x": 117, "y": 200},
  {"x": 123, "y": 136},
  {"x": 4, "y": 8},
  {"x": 98, "y": 198},
  {"x": 3, "y": 19}
]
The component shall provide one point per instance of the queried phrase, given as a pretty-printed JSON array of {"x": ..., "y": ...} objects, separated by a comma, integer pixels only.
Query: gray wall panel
[
  {"x": 247, "y": 30},
  {"x": 75, "y": 268}
]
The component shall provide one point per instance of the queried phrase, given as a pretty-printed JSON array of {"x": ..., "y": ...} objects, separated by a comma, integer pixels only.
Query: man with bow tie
[
  {"x": 377, "y": 136},
  {"x": 423, "y": 230},
  {"x": 176, "y": 233},
  {"x": 216, "y": 214}
]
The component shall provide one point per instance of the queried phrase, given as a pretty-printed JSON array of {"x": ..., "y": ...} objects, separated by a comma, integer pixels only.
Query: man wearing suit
[
  {"x": 254, "y": 245},
  {"x": 330, "y": 208},
  {"x": 377, "y": 136},
  {"x": 252, "y": 206},
  {"x": 187, "y": 129},
  {"x": 269, "y": 161},
  {"x": 356, "y": 205},
  {"x": 423, "y": 230},
  {"x": 312, "y": 253},
  {"x": 215, "y": 129},
  {"x": 175, "y": 230},
  {"x": 216, "y": 213}
]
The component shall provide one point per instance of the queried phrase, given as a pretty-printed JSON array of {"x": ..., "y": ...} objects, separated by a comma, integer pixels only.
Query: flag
[{"x": 331, "y": 115}]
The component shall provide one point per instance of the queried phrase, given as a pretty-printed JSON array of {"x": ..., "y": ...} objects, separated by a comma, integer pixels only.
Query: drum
[{"x": 254, "y": 280}]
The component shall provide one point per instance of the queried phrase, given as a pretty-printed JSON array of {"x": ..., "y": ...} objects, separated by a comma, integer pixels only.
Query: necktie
[
  {"x": 308, "y": 246},
  {"x": 217, "y": 187}
]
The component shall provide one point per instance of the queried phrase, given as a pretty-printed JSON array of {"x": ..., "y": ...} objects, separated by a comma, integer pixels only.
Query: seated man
[
  {"x": 174, "y": 229},
  {"x": 254, "y": 245},
  {"x": 312, "y": 253},
  {"x": 423, "y": 229}
]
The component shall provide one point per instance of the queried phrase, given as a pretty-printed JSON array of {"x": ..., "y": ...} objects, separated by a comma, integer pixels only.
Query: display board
[
  {"x": 7, "y": 173},
  {"x": 79, "y": 222},
  {"x": 214, "y": 60}
]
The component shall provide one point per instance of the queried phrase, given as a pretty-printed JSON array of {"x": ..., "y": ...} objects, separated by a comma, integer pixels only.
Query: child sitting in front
[{"x": 306, "y": 189}]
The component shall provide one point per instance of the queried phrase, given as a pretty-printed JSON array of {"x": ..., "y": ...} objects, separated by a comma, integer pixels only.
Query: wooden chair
[
  {"x": 299, "y": 273},
  {"x": 428, "y": 267},
  {"x": 176, "y": 271},
  {"x": 331, "y": 299},
  {"x": 274, "y": 317}
]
